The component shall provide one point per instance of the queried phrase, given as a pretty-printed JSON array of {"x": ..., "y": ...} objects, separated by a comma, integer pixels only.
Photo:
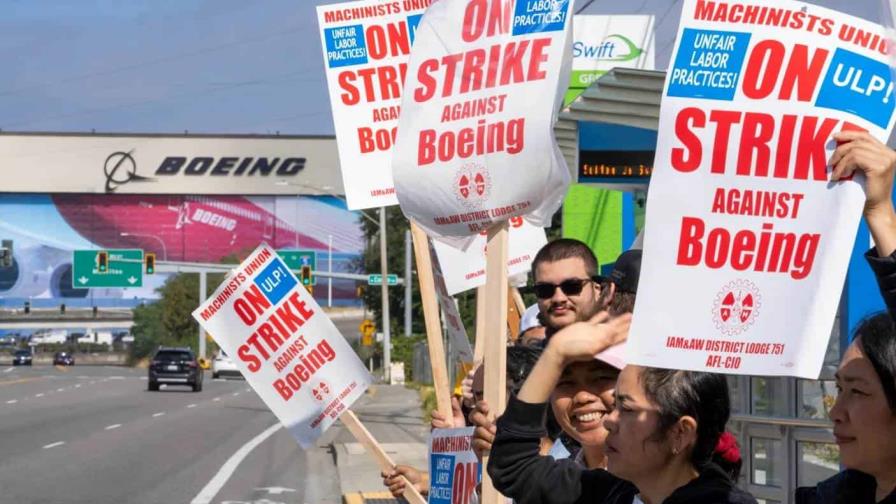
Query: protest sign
[
  {"x": 600, "y": 43},
  {"x": 284, "y": 345},
  {"x": 465, "y": 269},
  {"x": 365, "y": 46},
  {"x": 747, "y": 241},
  {"x": 454, "y": 325},
  {"x": 475, "y": 143},
  {"x": 454, "y": 470}
]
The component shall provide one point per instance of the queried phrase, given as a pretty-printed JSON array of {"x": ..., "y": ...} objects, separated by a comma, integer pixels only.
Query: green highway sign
[
  {"x": 124, "y": 268},
  {"x": 377, "y": 279},
  {"x": 295, "y": 259}
]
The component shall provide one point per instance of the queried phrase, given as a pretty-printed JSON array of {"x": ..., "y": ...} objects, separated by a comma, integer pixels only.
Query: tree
[{"x": 169, "y": 320}]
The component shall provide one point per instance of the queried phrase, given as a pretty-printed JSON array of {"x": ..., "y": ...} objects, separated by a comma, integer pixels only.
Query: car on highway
[
  {"x": 63, "y": 359},
  {"x": 223, "y": 365},
  {"x": 175, "y": 366},
  {"x": 21, "y": 358}
]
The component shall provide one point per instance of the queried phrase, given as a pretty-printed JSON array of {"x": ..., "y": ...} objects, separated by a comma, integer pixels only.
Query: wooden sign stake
[
  {"x": 514, "y": 314},
  {"x": 480, "y": 325},
  {"x": 495, "y": 339},
  {"x": 431, "y": 316},
  {"x": 354, "y": 425}
]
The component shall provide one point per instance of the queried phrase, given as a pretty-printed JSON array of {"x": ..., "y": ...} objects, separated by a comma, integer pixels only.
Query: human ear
[{"x": 683, "y": 434}]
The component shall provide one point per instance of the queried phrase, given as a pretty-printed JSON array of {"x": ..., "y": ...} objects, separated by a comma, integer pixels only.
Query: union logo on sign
[
  {"x": 473, "y": 185},
  {"x": 321, "y": 391},
  {"x": 736, "y": 307}
]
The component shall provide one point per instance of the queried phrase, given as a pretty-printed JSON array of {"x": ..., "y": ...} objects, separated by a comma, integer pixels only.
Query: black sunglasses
[{"x": 570, "y": 287}]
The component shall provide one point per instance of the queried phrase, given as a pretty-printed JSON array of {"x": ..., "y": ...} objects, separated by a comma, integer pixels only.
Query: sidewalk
[{"x": 392, "y": 413}]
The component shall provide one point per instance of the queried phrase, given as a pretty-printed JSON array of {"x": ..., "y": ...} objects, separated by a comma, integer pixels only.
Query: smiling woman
[{"x": 864, "y": 417}]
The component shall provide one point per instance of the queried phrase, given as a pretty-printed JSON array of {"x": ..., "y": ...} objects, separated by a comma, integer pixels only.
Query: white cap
[{"x": 529, "y": 319}]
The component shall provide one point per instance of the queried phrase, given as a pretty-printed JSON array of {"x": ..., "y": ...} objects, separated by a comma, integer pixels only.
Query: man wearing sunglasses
[{"x": 566, "y": 283}]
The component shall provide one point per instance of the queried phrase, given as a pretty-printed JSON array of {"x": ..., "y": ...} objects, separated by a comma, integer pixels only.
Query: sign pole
[
  {"x": 354, "y": 425},
  {"x": 480, "y": 324},
  {"x": 431, "y": 317},
  {"x": 514, "y": 314},
  {"x": 495, "y": 339},
  {"x": 203, "y": 289},
  {"x": 330, "y": 270},
  {"x": 387, "y": 337},
  {"x": 408, "y": 288}
]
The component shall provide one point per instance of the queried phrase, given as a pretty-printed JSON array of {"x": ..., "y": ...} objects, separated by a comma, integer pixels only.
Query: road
[{"x": 94, "y": 434}]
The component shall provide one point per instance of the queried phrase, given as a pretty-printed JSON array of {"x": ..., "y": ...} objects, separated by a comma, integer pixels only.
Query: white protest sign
[
  {"x": 284, "y": 345},
  {"x": 601, "y": 43},
  {"x": 465, "y": 269},
  {"x": 454, "y": 470},
  {"x": 453, "y": 323},
  {"x": 475, "y": 143},
  {"x": 366, "y": 46},
  {"x": 747, "y": 242}
]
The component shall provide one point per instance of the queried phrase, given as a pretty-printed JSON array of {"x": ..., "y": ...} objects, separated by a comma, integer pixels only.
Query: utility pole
[
  {"x": 387, "y": 339},
  {"x": 407, "y": 283},
  {"x": 202, "y": 296},
  {"x": 330, "y": 269}
]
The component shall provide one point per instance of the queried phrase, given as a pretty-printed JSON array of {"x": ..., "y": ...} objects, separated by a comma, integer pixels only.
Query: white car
[{"x": 223, "y": 365}]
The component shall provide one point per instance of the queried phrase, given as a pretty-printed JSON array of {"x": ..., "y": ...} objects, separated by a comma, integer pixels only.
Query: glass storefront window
[
  {"x": 768, "y": 462},
  {"x": 768, "y": 397},
  {"x": 816, "y": 399},
  {"x": 735, "y": 390},
  {"x": 817, "y": 462}
]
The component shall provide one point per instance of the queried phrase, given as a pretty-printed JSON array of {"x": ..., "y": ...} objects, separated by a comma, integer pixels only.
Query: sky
[{"x": 203, "y": 66}]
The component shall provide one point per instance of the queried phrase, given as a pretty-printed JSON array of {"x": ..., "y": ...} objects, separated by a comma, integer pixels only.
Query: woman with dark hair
[
  {"x": 864, "y": 417},
  {"x": 662, "y": 433}
]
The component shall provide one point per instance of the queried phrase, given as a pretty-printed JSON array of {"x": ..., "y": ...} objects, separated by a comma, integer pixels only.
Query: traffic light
[
  {"x": 102, "y": 261},
  {"x": 306, "y": 276},
  {"x": 149, "y": 260}
]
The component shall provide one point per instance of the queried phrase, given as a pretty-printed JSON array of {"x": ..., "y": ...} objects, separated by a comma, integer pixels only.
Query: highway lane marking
[
  {"x": 216, "y": 399},
  {"x": 154, "y": 415},
  {"x": 39, "y": 395},
  {"x": 236, "y": 394},
  {"x": 211, "y": 489},
  {"x": 19, "y": 380},
  {"x": 53, "y": 445},
  {"x": 248, "y": 390},
  {"x": 12, "y": 401},
  {"x": 7, "y": 370},
  {"x": 78, "y": 385},
  {"x": 191, "y": 405},
  {"x": 113, "y": 426},
  {"x": 59, "y": 390}
]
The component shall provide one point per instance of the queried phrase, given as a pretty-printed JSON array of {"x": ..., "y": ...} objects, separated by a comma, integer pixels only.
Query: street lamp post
[{"x": 387, "y": 339}]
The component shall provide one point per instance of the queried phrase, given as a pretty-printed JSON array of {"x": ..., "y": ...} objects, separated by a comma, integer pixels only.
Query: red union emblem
[
  {"x": 736, "y": 307},
  {"x": 472, "y": 185},
  {"x": 464, "y": 186},
  {"x": 480, "y": 184},
  {"x": 321, "y": 391}
]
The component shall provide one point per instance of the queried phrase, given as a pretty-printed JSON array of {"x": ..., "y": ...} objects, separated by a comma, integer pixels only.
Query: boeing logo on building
[{"x": 120, "y": 168}]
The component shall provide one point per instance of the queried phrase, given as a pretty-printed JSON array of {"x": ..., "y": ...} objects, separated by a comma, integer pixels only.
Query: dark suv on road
[
  {"x": 21, "y": 358},
  {"x": 63, "y": 359},
  {"x": 175, "y": 366}
]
